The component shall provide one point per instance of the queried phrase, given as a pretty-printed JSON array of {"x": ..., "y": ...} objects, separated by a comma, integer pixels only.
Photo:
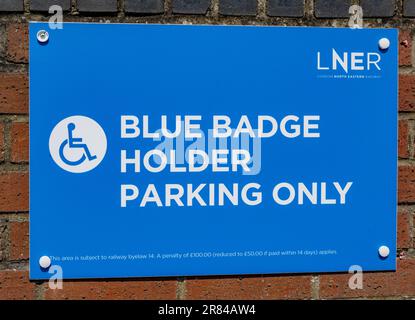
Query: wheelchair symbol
[{"x": 73, "y": 143}]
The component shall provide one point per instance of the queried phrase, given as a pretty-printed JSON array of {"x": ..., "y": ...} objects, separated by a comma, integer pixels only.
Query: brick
[
  {"x": 332, "y": 8},
  {"x": 403, "y": 148},
  {"x": 3, "y": 36},
  {"x": 1, "y": 142},
  {"x": 405, "y": 48},
  {"x": 238, "y": 7},
  {"x": 266, "y": 287},
  {"x": 375, "y": 284},
  {"x": 14, "y": 191},
  {"x": 144, "y": 6},
  {"x": 14, "y": 93},
  {"x": 409, "y": 8},
  {"x": 43, "y": 5},
  {"x": 19, "y": 133},
  {"x": 285, "y": 8},
  {"x": 406, "y": 92},
  {"x": 11, "y": 5},
  {"x": 378, "y": 8},
  {"x": 17, "y": 42},
  {"x": 4, "y": 240},
  {"x": 15, "y": 285},
  {"x": 404, "y": 228},
  {"x": 108, "y": 290},
  {"x": 413, "y": 230},
  {"x": 19, "y": 240},
  {"x": 406, "y": 184},
  {"x": 191, "y": 6},
  {"x": 97, "y": 6}
]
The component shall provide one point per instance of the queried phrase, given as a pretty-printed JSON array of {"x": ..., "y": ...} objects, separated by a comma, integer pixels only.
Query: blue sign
[{"x": 172, "y": 150}]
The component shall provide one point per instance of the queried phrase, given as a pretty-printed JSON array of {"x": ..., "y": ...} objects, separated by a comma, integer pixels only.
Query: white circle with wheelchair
[{"x": 77, "y": 144}]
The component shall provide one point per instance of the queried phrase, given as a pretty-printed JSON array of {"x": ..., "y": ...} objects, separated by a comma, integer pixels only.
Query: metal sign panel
[{"x": 170, "y": 150}]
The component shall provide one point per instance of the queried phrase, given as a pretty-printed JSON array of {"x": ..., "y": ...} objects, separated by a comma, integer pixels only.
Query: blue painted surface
[{"x": 103, "y": 71}]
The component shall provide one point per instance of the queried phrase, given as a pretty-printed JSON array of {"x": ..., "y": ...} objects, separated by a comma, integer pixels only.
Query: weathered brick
[
  {"x": 44, "y": 5},
  {"x": 105, "y": 290},
  {"x": 19, "y": 240},
  {"x": 413, "y": 230},
  {"x": 3, "y": 36},
  {"x": 406, "y": 184},
  {"x": 1, "y": 142},
  {"x": 405, "y": 47},
  {"x": 14, "y": 93},
  {"x": 16, "y": 285},
  {"x": 403, "y": 148},
  {"x": 4, "y": 240},
  {"x": 190, "y": 6},
  {"x": 17, "y": 42},
  {"x": 238, "y": 7},
  {"x": 404, "y": 228},
  {"x": 285, "y": 8},
  {"x": 331, "y": 8},
  {"x": 266, "y": 287},
  {"x": 11, "y": 5},
  {"x": 409, "y": 8},
  {"x": 97, "y": 6},
  {"x": 375, "y": 284},
  {"x": 144, "y": 6},
  {"x": 14, "y": 191},
  {"x": 19, "y": 133},
  {"x": 406, "y": 92},
  {"x": 378, "y": 8}
]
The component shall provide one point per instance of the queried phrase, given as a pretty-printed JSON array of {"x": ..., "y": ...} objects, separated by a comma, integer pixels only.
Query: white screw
[
  {"x": 384, "y": 251},
  {"x": 384, "y": 43},
  {"x": 45, "y": 262},
  {"x": 42, "y": 36}
]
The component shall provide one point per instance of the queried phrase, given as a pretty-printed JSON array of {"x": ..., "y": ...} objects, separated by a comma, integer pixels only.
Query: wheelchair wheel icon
[
  {"x": 77, "y": 144},
  {"x": 73, "y": 142}
]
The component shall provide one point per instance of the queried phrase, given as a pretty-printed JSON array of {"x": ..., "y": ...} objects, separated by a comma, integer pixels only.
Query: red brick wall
[{"x": 14, "y": 193}]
